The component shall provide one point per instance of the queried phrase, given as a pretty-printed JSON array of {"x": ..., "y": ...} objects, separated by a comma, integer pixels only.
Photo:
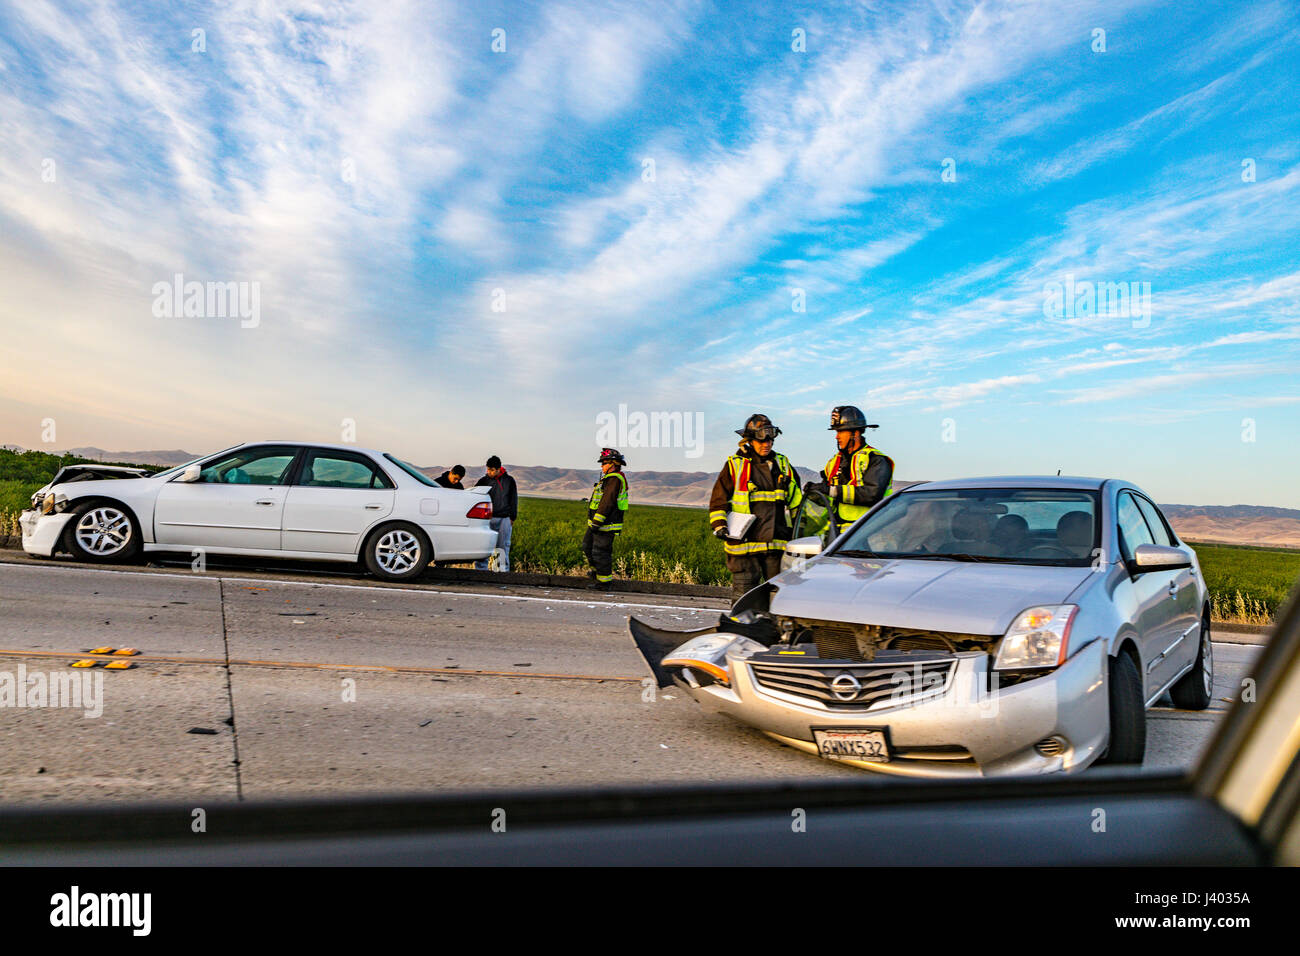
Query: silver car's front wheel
[
  {"x": 103, "y": 532},
  {"x": 397, "y": 552}
]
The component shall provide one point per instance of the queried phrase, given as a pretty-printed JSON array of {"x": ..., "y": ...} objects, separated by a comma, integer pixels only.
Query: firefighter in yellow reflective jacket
[
  {"x": 858, "y": 476},
  {"x": 755, "y": 480},
  {"x": 605, "y": 512}
]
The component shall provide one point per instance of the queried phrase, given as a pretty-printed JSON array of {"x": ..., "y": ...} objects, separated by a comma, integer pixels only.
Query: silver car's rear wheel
[
  {"x": 1193, "y": 690},
  {"x": 102, "y": 531},
  {"x": 397, "y": 552}
]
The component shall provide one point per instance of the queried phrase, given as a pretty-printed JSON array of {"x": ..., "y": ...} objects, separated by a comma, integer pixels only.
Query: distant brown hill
[
  {"x": 686, "y": 488},
  {"x": 1236, "y": 524},
  {"x": 170, "y": 457}
]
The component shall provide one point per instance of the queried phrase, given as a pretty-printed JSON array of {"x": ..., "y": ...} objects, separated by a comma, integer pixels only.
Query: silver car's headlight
[{"x": 1038, "y": 637}]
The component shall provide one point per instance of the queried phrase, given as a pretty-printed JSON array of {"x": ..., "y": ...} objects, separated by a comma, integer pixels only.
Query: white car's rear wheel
[
  {"x": 102, "y": 531},
  {"x": 397, "y": 552}
]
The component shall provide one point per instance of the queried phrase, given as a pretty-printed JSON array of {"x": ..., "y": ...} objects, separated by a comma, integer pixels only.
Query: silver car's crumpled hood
[{"x": 966, "y": 597}]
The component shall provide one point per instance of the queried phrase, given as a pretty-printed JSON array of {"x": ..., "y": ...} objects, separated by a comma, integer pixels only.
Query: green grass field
[
  {"x": 665, "y": 543},
  {"x": 1247, "y": 585},
  {"x": 660, "y": 543}
]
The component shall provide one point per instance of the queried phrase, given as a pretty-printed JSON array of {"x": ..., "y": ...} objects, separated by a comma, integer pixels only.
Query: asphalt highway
[{"x": 271, "y": 683}]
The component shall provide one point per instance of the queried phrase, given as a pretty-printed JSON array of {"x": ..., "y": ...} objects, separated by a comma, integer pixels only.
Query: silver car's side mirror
[
  {"x": 189, "y": 474},
  {"x": 800, "y": 550},
  {"x": 1159, "y": 557}
]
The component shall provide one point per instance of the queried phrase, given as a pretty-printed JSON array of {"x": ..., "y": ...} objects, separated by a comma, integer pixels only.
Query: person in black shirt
[
  {"x": 505, "y": 508},
  {"x": 451, "y": 477}
]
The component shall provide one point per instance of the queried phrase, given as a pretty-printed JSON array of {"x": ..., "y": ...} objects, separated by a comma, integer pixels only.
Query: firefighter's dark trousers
[
  {"x": 598, "y": 546},
  {"x": 748, "y": 571}
]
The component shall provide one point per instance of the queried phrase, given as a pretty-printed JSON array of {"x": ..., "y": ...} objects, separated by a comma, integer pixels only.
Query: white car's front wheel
[
  {"x": 397, "y": 552},
  {"x": 102, "y": 531}
]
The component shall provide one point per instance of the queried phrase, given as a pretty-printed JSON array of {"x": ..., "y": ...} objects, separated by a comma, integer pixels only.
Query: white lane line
[{"x": 368, "y": 587}]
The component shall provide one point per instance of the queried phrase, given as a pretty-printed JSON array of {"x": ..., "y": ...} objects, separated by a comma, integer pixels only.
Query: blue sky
[{"x": 391, "y": 183}]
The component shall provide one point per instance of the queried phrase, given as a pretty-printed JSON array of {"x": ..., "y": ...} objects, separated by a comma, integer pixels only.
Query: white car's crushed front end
[
  {"x": 42, "y": 532},
  {"x": 42, "y": 524}
]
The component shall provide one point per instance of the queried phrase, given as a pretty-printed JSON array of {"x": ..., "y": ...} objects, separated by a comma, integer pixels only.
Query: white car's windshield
[
  {"x": 178, "y": 468},
  {"x": 1014, "y": 525}
]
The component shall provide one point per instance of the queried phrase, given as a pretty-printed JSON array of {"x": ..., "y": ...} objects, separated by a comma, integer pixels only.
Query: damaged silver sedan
[{"x": 974, "y": 627}]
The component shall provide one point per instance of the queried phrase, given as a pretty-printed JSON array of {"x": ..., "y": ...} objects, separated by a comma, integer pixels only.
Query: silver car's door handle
[
  {"x": 373, "y": 507},
  {"x": 265, "y": 501}
]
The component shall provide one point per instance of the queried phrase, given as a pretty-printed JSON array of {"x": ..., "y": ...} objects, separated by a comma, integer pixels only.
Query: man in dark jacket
[
  {"x": 505, "y": 508},
  {"x": 758, "y": 481},
  {"x": 606, "y": 509},
  {"x": 451, "y": 477}
]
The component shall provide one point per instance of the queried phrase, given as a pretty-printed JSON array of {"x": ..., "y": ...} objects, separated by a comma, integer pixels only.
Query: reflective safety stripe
[
  {"x": 594, "y": 518},
  {"x": 793, "y": 494},
  {"x": 739, "y": 484},
  {"x": 858, "y": 465},
  {"x": 604, "y": 578},
  {"x": 744, "y": 495},
  {"x": 753, "y": 547}
]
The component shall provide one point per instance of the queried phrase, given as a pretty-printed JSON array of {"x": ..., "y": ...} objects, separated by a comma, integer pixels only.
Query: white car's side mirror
[
  {"x": 800, "y": 550},
  {"x": 189, "y": 474}
]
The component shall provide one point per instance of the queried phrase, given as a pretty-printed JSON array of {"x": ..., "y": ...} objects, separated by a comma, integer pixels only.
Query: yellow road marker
[
  {"x": 125, "y": 652},
  {"x": 85, "y": 663},
  {"x": 118, "y": 666},
  {"x": 100, "y": 650}
]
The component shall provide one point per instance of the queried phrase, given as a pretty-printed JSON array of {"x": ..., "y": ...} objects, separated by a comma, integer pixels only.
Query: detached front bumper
[
  {"x": 959, "y": 728},
  {"x": 41, "y": 533}
]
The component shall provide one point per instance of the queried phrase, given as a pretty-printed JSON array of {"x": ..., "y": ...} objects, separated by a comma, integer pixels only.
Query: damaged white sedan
[
  {"x": 974, "y": 627},
  {"x": 304, "y": 501}
]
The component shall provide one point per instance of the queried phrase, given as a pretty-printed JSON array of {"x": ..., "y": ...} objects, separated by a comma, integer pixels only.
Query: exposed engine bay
[{"x": 861, "y": 642}]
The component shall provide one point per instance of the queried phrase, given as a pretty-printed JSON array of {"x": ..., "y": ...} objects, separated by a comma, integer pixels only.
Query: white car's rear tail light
[{"x": 481, "y": 510}]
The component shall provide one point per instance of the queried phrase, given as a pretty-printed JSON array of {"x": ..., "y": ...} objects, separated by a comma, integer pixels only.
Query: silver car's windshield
[{"x": 1012, "y": 525}]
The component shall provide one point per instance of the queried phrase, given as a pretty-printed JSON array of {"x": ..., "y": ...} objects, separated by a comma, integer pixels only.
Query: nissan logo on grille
[{"x": 845, "y": 686}]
